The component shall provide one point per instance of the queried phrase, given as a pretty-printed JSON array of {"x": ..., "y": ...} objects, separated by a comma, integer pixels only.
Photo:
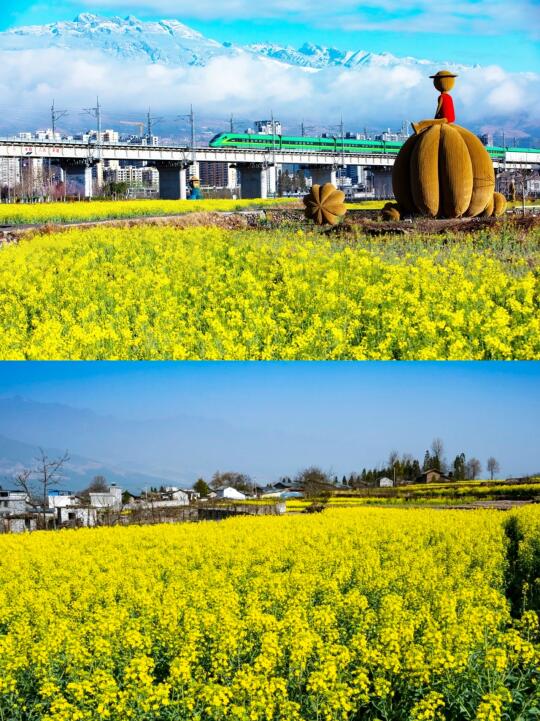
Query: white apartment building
[{"x": 10, "y": 172}]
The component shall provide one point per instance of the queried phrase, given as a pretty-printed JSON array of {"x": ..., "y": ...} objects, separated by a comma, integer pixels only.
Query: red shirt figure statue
[{"x": 444, "y": 81}]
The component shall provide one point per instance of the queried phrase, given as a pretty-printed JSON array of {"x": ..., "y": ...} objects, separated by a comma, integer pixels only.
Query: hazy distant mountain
[
  {"x": 170, "y": 42},
  {"x": 178, "y": 449},
  {"x": 77, "y": 472}
]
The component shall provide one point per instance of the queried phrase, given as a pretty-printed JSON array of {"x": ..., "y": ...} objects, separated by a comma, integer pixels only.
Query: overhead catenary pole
[
  {"x": 150, "y": 122},
  {"x": 56, "y": 115},
  {"x": 273, "y": 147},
  {"x": 96, "y": 113}
]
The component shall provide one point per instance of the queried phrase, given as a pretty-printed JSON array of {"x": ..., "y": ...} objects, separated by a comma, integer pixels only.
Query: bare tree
[
  {"x": 493, "y": 466},
  {"x": 241, "y": 481},
  {"x": 474, "y": 468},
  {"x": 437, "y": 448},
  {"x": 314, "y": 481},
  {"x": 98, "y": 484},
  {"x": 38, "y": 481}
]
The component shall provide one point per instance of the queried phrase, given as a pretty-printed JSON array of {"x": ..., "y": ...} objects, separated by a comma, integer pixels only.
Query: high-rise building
[
  {"x": 217, "y": 175},
  {"x": 10, "y": 172},
  {"x": 264, "y": 127}
]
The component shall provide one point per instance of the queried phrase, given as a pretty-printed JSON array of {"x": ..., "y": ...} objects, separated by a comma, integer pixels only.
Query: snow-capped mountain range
[
  {"x": 170, "y": 42},
  {"x": 132, "y": 64}
]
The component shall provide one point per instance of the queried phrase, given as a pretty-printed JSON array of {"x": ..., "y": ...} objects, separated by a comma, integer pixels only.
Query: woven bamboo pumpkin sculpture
[
  {"x": 443, "y": 171},
  {"x": 325, "y": 204}
]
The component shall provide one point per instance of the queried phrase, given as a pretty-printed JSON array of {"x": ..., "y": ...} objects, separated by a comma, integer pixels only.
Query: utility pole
[
  {"x": 273, "y": 148},
  {"x": 56, "y": 115},
  {"x": 96, "y": 113},
  {"x": 191, "y": 118},
  {"x": 150, "y": 122},
  {"x": 192, "y": 124},
  {"x": 231, "y": 123},
  {"x": 342, "y": 146}
]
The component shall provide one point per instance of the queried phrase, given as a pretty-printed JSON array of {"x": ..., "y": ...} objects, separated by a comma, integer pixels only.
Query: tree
[
  {"x": 460, "y": 467},
  {"x": 202, "y": 487},
  {"x": 427, "y": 461},
  {"x": 437, "y": 450},
  {"x": 98, "y": 484},
  {"x": 493, "y": 466},
  {"x": 313, "y": 480},
  {"x": 474, "y": 468},
  {"x": 38, "y": 481},
  {"x": 241, "y": 481}
]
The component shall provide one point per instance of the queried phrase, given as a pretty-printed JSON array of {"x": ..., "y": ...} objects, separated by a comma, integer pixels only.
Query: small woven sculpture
[
  {"x": 391, "y": 212},
  {"x": 496, "y": 206},
  {"x": 325, "y": 204}
]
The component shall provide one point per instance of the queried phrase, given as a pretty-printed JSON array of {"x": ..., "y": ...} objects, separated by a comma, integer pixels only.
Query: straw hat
[{"x": 444, "y": 74}]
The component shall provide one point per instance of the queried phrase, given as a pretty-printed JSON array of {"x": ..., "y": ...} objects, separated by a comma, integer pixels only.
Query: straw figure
[
  {"x": 443, "y": 170},
  {"x": 195, "y": 193},
  {"x": 325, "y": 204}
]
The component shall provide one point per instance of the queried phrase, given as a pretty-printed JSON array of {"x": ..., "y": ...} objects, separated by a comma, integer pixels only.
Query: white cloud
[{"x": 375, "y": 96}]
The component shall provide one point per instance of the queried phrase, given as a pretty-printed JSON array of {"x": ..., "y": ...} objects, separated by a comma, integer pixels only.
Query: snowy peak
[
  {"x": 172, "y": 43},
  {"x": 168, "y": 42}
]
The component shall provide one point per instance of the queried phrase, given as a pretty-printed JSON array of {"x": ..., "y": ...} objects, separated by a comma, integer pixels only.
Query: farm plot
[
  {"x": 209, "y": 293},
  {"x": 352, "y": 614}
]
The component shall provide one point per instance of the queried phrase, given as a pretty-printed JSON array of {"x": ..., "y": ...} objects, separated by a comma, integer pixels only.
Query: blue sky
[
  {"x": 343, "y": 415},
  {"x": 466, "y": 31}
]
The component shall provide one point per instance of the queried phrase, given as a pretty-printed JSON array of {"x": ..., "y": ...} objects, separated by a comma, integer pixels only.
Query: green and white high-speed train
[{"x": 251, "y": 141}]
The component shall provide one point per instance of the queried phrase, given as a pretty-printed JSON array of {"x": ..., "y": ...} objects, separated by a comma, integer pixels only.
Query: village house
[
  {"x": 385, "y": 482},
  {"x": 433, "y": 476},
  {"x": 230, "y": 493}
]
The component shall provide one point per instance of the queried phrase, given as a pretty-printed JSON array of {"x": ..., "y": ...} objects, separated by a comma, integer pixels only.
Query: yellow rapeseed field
[
  {"x": 350, "y": 615},
  {"x": 209, "y": 293},
  {"x": 15, "y": 214}
]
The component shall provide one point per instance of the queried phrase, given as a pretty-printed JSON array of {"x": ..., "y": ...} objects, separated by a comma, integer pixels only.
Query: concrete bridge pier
[
  {"x": 382, "y": 182},
  {"x": 253, "y": 181},
  {"x": 172, "y": 180},
  {"x": 78, "y": 177},
  {"x": 322, "y": 174}
]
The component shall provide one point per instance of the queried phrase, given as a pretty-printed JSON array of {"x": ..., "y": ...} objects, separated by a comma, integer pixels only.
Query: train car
[{"x": 252, "y": 141}]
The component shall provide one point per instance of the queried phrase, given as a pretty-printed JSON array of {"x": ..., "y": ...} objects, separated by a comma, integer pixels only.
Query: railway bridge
[{"x": 257, "y": 168}]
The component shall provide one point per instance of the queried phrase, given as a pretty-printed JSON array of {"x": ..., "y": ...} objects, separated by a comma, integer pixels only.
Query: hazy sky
[
  {"x": 468, "y": 31},
  {"x": 347, "y": 414}
]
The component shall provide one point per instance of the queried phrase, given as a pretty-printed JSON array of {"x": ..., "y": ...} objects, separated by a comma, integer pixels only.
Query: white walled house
[
  {"x": 13, "y": 502},
  {"x": 63, "y": 500},
  {"x": 385, "y": 482},
  {"x": 231, "y": 493},
  {"x": 77, "y": 516},
  {"x": 107, "y": 499}
]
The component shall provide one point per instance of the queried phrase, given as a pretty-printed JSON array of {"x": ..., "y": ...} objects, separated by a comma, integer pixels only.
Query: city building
[
  {"x": 400, "y": 136},
  {"x": 106, "y": 136},
  {"x": 47, "y": 135},
  {"x": 268, "y": 127},
  {"x": 486, "y": 138},
  {"x": 217, "y": 175},
  {"x": 10, "y": 172}
]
